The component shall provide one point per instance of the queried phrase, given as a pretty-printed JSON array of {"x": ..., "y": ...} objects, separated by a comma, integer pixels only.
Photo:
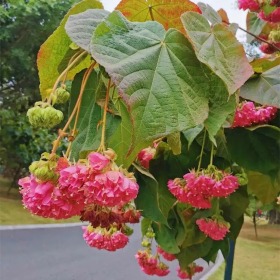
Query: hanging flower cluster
[
  {"x": 198, "y": 188},
  {"x": 248, "y": 4},
  {"x": 189, "y": 272},
  {"x": 216, "y": 228},
  {"x": 97, "y": 189},
  {"x": 247, "y": 114}
]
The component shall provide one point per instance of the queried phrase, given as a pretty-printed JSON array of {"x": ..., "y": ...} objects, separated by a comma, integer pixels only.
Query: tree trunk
[
  {"x": 274, "y": 217},
  {"x": 255, "y": 223}
]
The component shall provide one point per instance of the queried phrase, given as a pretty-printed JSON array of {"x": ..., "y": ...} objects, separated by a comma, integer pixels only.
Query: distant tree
[{"x": 24, "y": 26}]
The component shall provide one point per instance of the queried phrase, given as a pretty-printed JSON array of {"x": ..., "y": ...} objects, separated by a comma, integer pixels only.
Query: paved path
[{"x": 62, "y": 254}]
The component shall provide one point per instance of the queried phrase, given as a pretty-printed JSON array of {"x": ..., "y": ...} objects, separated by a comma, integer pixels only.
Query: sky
[{"x": 229, "y": 6}]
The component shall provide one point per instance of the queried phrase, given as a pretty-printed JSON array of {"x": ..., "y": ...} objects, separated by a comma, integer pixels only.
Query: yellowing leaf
[
  {"x": 166, "y": 12},
  {"x": 54, "y": 49},
  {"x": 224, "y": 16}
]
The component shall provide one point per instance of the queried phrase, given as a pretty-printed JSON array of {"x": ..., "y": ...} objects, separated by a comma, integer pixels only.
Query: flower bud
[
  {"x": 146, "y": 243},
  {"x": 44, "y": 117},
  {"x": 42, "y": 171},
  {"x": 110, "y": 154},
  {"x": 150, "y": 234},
  {"x": 274, "y": 36},
  {"x": 62, "y": 95},
  {"x": 127, "y": 230},
  {"x": 242, "y": 179}
]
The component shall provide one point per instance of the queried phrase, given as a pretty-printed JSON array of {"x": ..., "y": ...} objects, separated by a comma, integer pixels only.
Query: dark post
[{"x": 229, "y": 261}]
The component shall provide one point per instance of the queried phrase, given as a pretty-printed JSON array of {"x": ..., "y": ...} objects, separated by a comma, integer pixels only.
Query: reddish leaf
[{"x": 166, "y": 12}]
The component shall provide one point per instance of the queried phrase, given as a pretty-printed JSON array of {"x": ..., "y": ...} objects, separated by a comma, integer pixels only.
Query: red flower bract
[
  {"x": 248, "y": 4},
  {"x": 111, "y": 189},
  {"x": 273, "y": 17},
  {"x": 46, "y": 200},
  {"x": 215, "y": 229},
  {"x": 167, "y": 256}
]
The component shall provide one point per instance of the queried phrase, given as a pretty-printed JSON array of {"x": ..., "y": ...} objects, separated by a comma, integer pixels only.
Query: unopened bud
[
  {"x": 242, "y": 179},
  {"x": 127, "y": 230},
  {"x": 150, "y": 234},
  {"x": 62, "y": 95},
  {"x": 44, "y": 117},
  {"x": 42, "y": 171},
  {"x": 146, "y": 243},
  {"x": 110, "y": 154},
  {"x": 274, "y": 36}
]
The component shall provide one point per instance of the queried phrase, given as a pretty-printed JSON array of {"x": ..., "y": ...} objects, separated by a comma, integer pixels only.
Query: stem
[
  {"x": 212, "y": 155},
  {"x": 63, "y": 73},
  {"x": 255, "y": 36},
  {"x": 201, "y": 153},
  {"x": 102, "y": 144},
  {"x": 151, "y": 13},
  {"x": 78, "y": 104},
  {"x": 70, "y": 61}
]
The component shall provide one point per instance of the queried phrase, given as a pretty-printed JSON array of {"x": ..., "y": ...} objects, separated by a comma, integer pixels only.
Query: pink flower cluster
[
  {"x": 111, "y": 189},
  {"x": 248, "y": 4},
  {"x": 198, "y": 190},
  {"x": 102, "y": 239},
  {"x": 145, "y": 156},
  {"x": 167, "y": 256},
  {"x": 217, "y": 230},
  {"x": 78, "y": 185},
  {"x": 46, "y": 200},
  {"x": 248, "y": 114},
  {"x": 150, "y": 265},
  {"x": 273, "y": 17},
  {"x": 189, "y": 272}
]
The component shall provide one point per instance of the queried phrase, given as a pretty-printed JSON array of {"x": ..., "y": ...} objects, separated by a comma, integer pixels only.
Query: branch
[{"x": 255, "y": 36}]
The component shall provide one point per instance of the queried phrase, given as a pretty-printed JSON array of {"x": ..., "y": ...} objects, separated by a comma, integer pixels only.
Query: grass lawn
[
  {"x": 13, "y": 213},
  {"x": 255, "y": 259}
]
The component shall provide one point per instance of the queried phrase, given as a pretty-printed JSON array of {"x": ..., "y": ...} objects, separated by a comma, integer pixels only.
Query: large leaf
[
  {"x": 191, "y": 253},
  {"x": 192, "y": 133},
  {"x": 147, "y": 200},
  {"x": 254, "y": 25},
  {"x": 265, "y": 89},
  {"x": 253, "y": 151},
  {"x": 80, "y": 27},
  {"x": 265, "y": 188},
  {"x": 121, "y": 140},
  {"x": 89, "y": 136},
  {"x": 209, "y": 13},
  {"x": 220, "y": 109},
  {"x": 54, "y": 49},
  {"x": 166, "y": 238},
  {"x": 174, "y": 142},
  {"x": 161, "y": 81},
  {"x": 218, "y": 48},
  {"x": 166, "y": 12}
]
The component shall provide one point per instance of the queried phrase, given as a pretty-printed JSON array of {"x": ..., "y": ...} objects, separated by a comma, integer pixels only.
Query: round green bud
[
  {"x": 146, "y": 243},
  {"x": 128, "y": 231},
  {"x": 62, "y": 95},
  {"x": 33, "y": 166},
  {"x": 150, "y": 234},
  {"x": 42, "y": 171},
  {"x": 44, "y": 117},
  {"x": 242, "y": 179}
]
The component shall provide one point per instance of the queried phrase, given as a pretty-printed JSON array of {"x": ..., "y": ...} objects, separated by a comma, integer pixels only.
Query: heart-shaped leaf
[
  {"x": 218, "y": 48},
  {"x": 156, "y": 72}
]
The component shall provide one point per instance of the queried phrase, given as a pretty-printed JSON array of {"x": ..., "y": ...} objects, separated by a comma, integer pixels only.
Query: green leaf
[
  {"x": 218, "y": 48},
  {"x": 192, "y": 133},
  {"x": 80, "y": 27},
  {"x": 236, "y": 204},
  {"x": 233, "y": 27},
  {"x": 265, "y": 188},
  {"x": 253, "y": 151},
  {"x": 266, "y": 129},
  {"x": 166, "y": 238},
  {"x": 191, "y": 253},
  {"x": 89, "y": 136},
  {"x": 54, "y": 49},
  {"x": 254, "y": 25},
  {"x": 147, "y": 200},
  {"x": 156, "y": 73},
  {"x": 267, "y": 8},
  {"x": 145, "y": 224},
  {"x": 209, "y": 13},
  {"x": 235, "y": 227},
  {"x": 174, "y": 141},
  {"x": 265, "y": 89},
  {"x": 261, "y": 65},
  {"x": 121, "y": 140},
  {"x": 219, "y": 112},
  {"x": 222, "y": 245}
]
